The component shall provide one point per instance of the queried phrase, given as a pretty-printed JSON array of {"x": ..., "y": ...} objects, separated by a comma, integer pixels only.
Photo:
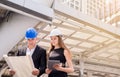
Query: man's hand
[
  {"x": 35, "y": 72},
  {"x": 12, "y": 72}
]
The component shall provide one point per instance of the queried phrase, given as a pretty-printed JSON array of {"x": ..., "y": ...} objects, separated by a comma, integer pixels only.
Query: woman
[{"x": 58, "y": 51}]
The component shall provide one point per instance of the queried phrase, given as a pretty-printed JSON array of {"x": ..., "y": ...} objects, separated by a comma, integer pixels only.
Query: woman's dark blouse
[{"x": 58, "y": 54}]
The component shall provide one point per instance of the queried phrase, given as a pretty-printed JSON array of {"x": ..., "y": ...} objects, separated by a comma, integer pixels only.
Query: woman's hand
[
  {"x": 47, "y": 71},
  {"x": 58, "y": 66}
]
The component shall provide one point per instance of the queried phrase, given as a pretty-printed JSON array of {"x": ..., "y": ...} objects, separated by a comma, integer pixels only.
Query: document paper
[{"x": 23, "y": 65}]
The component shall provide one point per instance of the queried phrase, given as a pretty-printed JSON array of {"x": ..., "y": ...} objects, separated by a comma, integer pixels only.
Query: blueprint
[{"x": 23, "y": 65}]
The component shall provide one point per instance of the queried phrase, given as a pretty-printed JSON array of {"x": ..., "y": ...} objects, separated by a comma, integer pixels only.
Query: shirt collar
[{"x": 30, "y": 52}]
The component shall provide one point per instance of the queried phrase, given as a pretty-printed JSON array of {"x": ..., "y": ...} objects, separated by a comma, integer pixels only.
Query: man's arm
[{"x": 43, "y": 61}]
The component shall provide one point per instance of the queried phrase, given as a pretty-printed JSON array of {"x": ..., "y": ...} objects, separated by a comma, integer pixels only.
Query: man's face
[{"x": 32, "y": 41}]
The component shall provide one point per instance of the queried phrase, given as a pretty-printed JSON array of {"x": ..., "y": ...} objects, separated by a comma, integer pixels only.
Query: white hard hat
[{"x": 55, "y": 32}]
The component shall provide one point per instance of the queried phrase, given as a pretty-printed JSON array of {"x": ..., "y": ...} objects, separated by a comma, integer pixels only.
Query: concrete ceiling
[{"x": 94, "y": 45}]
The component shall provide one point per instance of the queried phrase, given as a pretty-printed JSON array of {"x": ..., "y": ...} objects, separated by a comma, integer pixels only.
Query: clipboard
[{"x": 52, "y": 62}]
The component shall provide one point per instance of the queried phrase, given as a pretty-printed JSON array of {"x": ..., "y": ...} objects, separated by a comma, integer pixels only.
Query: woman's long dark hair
[{"x": 60, "y": 43}]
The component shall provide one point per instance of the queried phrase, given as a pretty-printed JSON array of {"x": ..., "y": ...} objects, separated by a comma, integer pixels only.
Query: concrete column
[
  {"x": 89, "y": 74},
  {"x": 13, "y": 30},
  {"x": 81, "y": 66}
]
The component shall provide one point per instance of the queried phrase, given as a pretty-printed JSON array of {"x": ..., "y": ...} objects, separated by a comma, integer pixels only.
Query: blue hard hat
[{"x": 31, "y": 33}]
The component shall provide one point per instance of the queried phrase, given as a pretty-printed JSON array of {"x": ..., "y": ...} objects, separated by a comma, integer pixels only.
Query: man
[{"x": 37, "y": 53}]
